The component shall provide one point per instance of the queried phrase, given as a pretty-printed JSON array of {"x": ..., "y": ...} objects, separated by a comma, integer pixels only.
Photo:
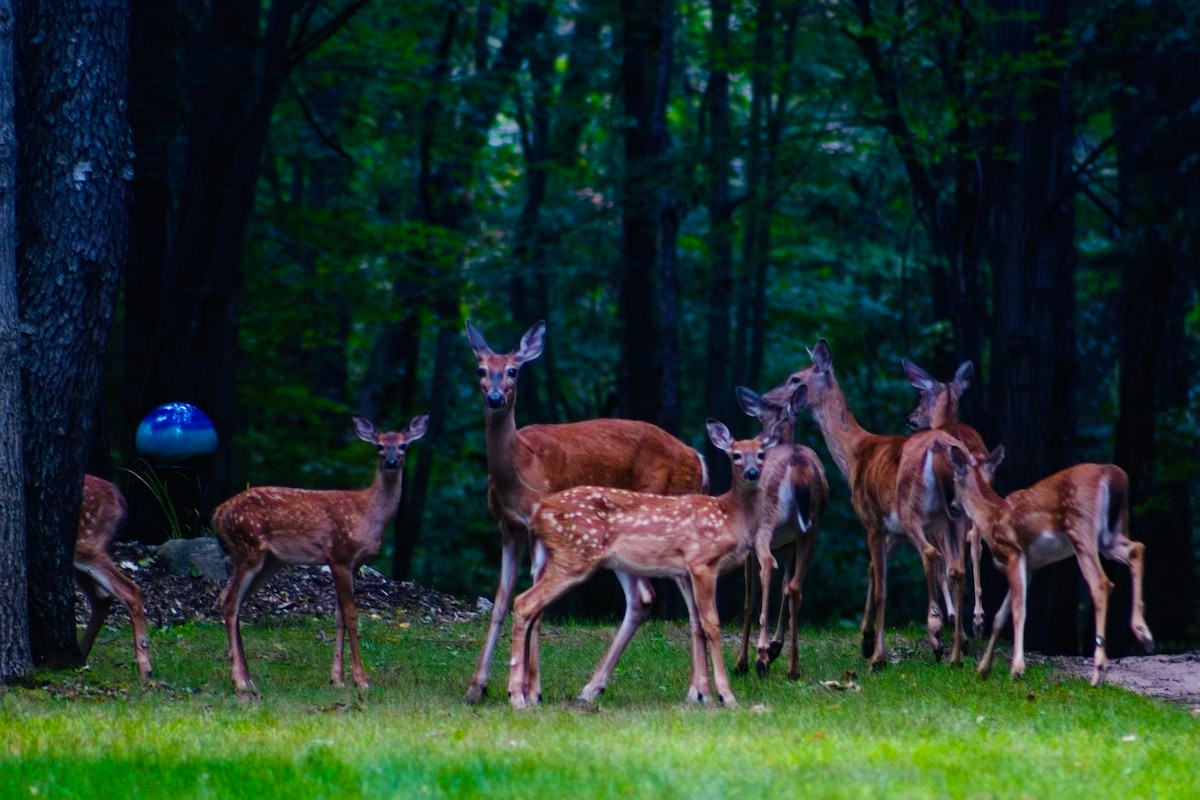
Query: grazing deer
[
  {"x": 692, "y": 539},
  {"x": 267, "y": 528},
  {"x": 102, "y": 512},
  {"x": 526, "y": 465},
  {"x": 1082, "y": 510},
  {"x": 871, "y": 465},
  {"x": 794, "y": 492},
  {"x": 939, "y": 408}
]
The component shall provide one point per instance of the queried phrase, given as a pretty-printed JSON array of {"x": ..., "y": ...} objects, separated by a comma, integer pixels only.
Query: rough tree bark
[
  {"x": 75, "y": 165},
  {"x": 16, "y": 661}
]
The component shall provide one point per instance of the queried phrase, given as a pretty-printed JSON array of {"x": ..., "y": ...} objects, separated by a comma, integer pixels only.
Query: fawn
[
  {"x": 691, "y": 538},
  {"x": 267, "y": 528},
  {"x": 101, "y": 513}
]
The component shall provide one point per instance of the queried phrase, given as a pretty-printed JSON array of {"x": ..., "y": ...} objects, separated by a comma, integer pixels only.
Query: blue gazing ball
[{"x": 174, "y": 432}]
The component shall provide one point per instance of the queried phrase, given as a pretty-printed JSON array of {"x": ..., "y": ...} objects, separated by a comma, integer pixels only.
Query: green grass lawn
[{"x": 918, "y": 729}]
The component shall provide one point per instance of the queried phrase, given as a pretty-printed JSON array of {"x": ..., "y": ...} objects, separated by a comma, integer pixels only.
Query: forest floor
[{"x": 175, "y": 600}]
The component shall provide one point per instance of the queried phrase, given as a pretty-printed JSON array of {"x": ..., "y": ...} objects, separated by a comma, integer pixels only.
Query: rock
[{"x": 202, "y": 556}]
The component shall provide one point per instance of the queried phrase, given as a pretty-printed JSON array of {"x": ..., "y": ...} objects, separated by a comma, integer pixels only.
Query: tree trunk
[
  {"x": 638, "y": 379},
  {"x": 16, "y": 661},
  {"x": 75, "y": 167},
  {"x": 718, "y": 372},
  {"x": 1032, "y": 257},
  {"x": 1159, "y": 203}
]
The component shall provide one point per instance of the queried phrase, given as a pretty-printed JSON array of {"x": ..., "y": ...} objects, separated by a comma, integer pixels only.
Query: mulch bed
[{"x": 175, "y": 599}]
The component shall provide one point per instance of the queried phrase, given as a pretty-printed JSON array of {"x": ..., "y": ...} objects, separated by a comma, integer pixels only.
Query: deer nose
[
  {"x": 752, "y": 474},
  {"x": 494, "y": 399},
  {"x": 912, "y": 423}
]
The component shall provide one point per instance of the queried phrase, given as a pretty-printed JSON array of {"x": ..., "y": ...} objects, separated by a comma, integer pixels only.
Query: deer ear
[
  {"x": 478, "y": 345},
  {"x": 532, "y": 343},
  {"x": 799, "y": 400},
  {"x": 769, "y": 439},
  {"x": 962, "y": 378},
  {"x": 995, "y": 457},
  {"x": 958, "y": 458},
  {"x": 917, "y": 377},
  {"x": 822, "y": 356},
  {"x": 416, "y": 429},
  {"x": 719, "y": 435},
  {"x": 750, "y": 401},
  {"x": 365, "y": 429}
]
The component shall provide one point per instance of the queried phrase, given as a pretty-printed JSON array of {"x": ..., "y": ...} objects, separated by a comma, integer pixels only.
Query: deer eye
[
  {"x": 403, "y": 447},
  {"x": 482, "y": 372},
  {"x": 512, "y": 372},
  {"x": 737, "y": 456},
  {"x": 793, "y": 380}
]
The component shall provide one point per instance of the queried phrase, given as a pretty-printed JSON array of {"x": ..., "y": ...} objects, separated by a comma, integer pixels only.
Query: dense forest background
[{"x": 319, "y": 194}]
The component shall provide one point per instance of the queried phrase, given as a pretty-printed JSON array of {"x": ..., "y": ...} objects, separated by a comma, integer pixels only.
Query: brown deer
[
  {"x": 794, "y": 492},
  {"x": 871, "y": 465},
  {"x": 527, "y": 464},
  {"x": 1082, "y": 510},
  {"x": 692, "y": 539},
  {"x": 267, "y": 528},
  {"x": 939, "y": 408},
  {"x": 101, "y": 514}
]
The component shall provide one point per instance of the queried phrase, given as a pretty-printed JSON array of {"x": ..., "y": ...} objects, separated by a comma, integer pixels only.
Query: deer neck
[
  {"x": 742, "y": 504},
  {"x": 843, "y": 435},
  {"x": 503, "y": 445},
  {"x": 383, "y": 498}
]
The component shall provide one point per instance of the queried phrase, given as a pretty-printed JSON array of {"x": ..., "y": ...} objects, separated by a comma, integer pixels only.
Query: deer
[
  {"x": 102, "y": 512},
  {"x": 1082, "y": 510},
  {"x": 871, "y": 465},
  {"x": 529, "y": 463},
  {"x": 690, "y": 538},
  {"x": 939, "y": 408},
  {"x": 794, "y": 493},
  {"x": 267, "y": 528}
]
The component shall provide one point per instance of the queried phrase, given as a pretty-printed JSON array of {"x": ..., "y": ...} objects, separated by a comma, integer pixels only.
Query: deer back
[
  {"x": 1082, "y": 498},
  {"x": 102, "y": 511}
]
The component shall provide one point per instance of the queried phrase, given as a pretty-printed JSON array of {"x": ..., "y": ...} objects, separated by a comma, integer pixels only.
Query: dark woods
[{"x": 282, "y": 212}]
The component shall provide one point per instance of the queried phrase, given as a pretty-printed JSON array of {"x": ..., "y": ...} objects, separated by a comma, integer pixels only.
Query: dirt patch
[{"x": 1171, "y": 677}]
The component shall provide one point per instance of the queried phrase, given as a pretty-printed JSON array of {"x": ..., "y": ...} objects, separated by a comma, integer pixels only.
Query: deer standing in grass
[
  {"x": 691, "y": 539},
  {"x": 101, "y": 513},
  {"x": 794, "y": 492},
  {"x": 527, "y": 464},
  {"x": 871, "y": 465},
  {"x": 937, "y": 409},
  {"x": 1082, "y": 510},
  {"x": 266, "y": 528}
]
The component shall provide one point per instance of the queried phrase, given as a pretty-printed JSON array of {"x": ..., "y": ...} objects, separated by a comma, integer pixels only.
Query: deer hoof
[
  {"x": 476, "y": 693},
  {"x": 774, "y": 650},
  {"x": 763, "y": 668},
  {"x": 740, "y": 668}
]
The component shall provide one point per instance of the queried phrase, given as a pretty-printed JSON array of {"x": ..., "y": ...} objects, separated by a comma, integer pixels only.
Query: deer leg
[
  {"x": 1100, "y": 586},
  {"x": 766, "y": 562},
  {"x": 509, "y": 556},
  {"x": 1000, "y": 620},
  {"x": 742, "y": 666},
  {"x": 98, "y": 608},
  {"x": 1018, "y": 581},
  {"x": 955, "y": 570},
  {"x": 1132, "y": 554},
  {"x": 698, "y": 688},
  {"x": 975, "y": 542},
  {"x": 878, "y": 593},
  {"x": 637, "y": 602},
  {"x": 776, "y": 646},
  {"x": 806, "y": 545},
  {"x": 704, "y": 586},
  {"x": 127, "y": 591},
  {"x": 550, "y": 585},
  {"x": 347, "y": 618},
  {"x": 240, "y": 583}
]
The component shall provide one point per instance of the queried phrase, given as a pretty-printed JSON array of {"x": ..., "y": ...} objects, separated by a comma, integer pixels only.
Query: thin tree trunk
[{"x": 16, "y": 660}]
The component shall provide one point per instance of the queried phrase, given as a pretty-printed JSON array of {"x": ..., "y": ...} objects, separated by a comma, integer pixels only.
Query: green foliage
[{"x": 918, "y": 729}]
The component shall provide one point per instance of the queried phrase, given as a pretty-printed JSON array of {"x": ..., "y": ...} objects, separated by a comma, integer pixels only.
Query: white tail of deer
[
  {"x": 871, "y": 465},
  {"x": 937, "y": 409},
  {"x": 691, "y": 538},
  {"x": 267, "y": 528},
  {"x": 528, "y": 464},
  {"x": 794, "y": 492},
  {"x": 101, "y": 514},
  {"x": 1082, "y": 511}
]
